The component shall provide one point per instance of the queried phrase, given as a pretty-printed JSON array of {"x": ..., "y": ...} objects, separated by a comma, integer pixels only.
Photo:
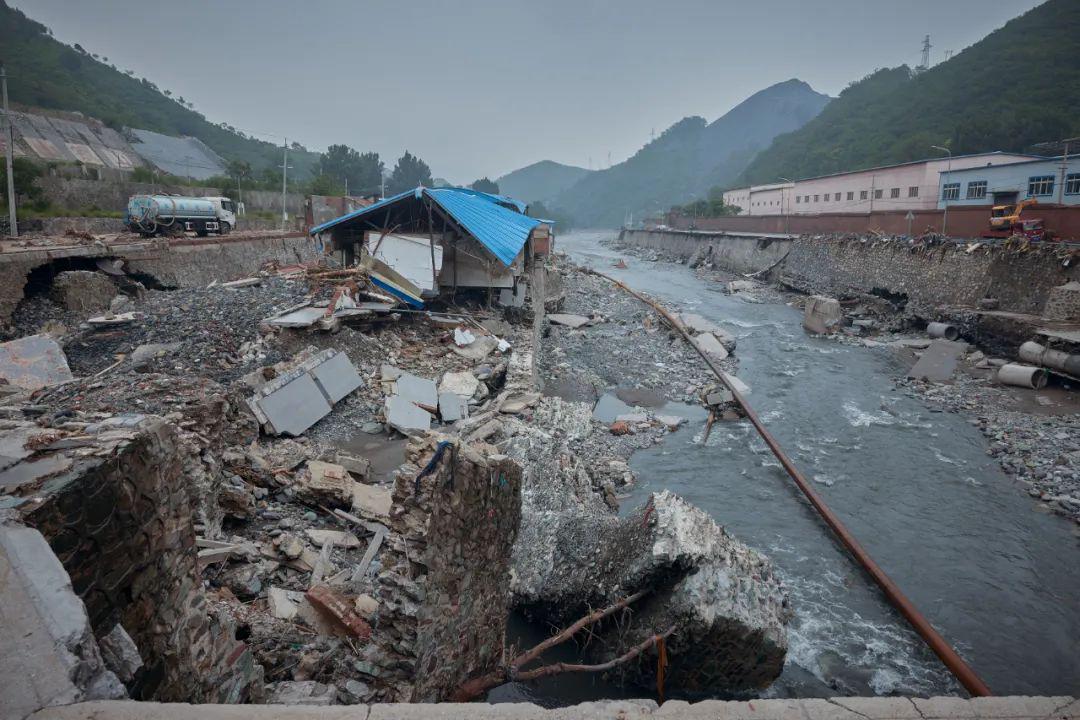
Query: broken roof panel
[{"x": 488, "y": 218}]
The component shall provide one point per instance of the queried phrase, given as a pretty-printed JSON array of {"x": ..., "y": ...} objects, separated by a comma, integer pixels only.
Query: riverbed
[{"x": 999, "y": 580}]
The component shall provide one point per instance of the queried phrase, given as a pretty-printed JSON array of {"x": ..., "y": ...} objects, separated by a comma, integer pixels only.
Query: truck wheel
[
  {"x": 224, "y": 228},
  {"x": 201, "y": 230}
]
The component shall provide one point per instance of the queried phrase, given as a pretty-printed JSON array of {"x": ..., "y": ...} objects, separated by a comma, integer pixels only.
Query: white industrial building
[
  {"x": 907, "y": 186},
  {"x": 1046, "y": 180}
]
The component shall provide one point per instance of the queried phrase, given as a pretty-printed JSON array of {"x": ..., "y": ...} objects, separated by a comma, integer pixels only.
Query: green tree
[
  {"x": 324, "y": 184},
  {"x": 486, "y": 184},
  {"x": 362, "y": 172},
  {"x": 238, "y": 170},
  {"x": 26, "y": 173},
  {"x": 409, "y": 172}
]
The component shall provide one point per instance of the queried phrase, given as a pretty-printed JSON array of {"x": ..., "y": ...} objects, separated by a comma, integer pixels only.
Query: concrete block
[
  {"x": 570, "y": 321},
  {"x": 280, "y": 604},
  {"x": 822, "y": 314},
  {"x": 460, "y": 383},
  {"x": 293, "y": 408},
  {"x": 879, "y": 708},
  {"x": 33, "y": 362},
  {"x": 710, "y": 345},
  {"x": 405, "y": 416},
  {"x": 452, "y": 407},
  {"x": 371, "y": 501},
  {"x": 337, "y": 377},
  {"x": 697, "y": 324},
  {"x": 939, "y": 361},
  {"x": 417, "y": 390}
]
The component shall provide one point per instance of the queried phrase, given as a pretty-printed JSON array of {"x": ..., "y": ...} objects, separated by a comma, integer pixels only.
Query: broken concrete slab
[
  {"x": 741, "y": 387},
  {"x": 355, "y": 465},
  {"x": 336, "y": 377},
  {"x": 939, "y": 361},
  {"x": 404, "y": 416},
  {"x": 280, "y": 604},
  {"x": 118, "y": 319},
  {"x": 299, "y": 318},
  {"x": 338, "y": 538},
  {"x": 417, "y": 390},
  {"x": 822, "y": 314},
  {"x": 120, "y": 653},
  {"x": 45, "y": 633},
  {"x": 697, "y": 324},
  {"x": 325, "y": 484},
  {"x": 570, "y": 321},
  {"x": 34, "y": 362},
  {"x": 298, "y": 398},
  {"x": 462, "y": 383},
  {"x": 710, "y": 345},
  {"x": 518, "y": 402},
  {"x": 452, "y": 407},
  {"x": 294, "y": 407},
  {"x": 371, "y": 502},
  {"x": 479, "y": 349}
]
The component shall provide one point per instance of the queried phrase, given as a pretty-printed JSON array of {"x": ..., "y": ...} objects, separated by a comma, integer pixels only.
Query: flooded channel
[{"x": 998, "y": 579}]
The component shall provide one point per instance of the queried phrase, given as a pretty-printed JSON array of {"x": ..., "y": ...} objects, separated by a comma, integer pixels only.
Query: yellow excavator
[{"x": 1006, "y": 221}]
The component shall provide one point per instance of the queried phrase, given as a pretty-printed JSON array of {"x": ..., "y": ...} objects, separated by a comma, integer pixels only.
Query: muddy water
[{"x": 998, "y": 579}]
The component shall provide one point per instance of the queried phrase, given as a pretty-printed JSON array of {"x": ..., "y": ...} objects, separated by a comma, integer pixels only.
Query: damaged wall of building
[
  {"x": 121, "y": 524},
  {"x": 444, "y": 596}
]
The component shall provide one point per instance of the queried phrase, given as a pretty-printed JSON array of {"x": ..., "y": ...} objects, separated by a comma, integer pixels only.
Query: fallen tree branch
[{"x": 476, "y": 687}]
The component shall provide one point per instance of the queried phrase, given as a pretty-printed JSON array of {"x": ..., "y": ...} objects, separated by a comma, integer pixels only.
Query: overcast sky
[{"x": 482, "y": 88}]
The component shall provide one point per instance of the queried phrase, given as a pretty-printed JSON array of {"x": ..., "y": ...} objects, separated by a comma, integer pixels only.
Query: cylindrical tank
[
  {"x": 163, "y": 209},
  {"x": 942, "y": 330}
]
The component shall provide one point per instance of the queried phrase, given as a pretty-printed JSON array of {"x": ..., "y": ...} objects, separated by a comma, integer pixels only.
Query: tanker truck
[{"x": 151, "y": 215}]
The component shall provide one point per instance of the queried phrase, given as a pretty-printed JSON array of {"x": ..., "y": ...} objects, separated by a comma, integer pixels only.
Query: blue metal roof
[{"x": 484, "y": 216}]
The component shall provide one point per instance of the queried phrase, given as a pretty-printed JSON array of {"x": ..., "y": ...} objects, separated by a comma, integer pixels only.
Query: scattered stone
[
  {"x": 371, "y": 501},
  {"x": 150, "y": 351},
  {"x": 280, "y": 604},
  {"x": 822, "y": 314},
  {"x": 463, "y": 384},
  {"x": 516, "y": 403},
  {"x": 324, "y": 484},
  {"x": 339, "y": 609},
  {"x": 301, "y": 692},
  {"x": 33, "y": 362},
  {"x": 619, "y": 427},
  {"x": 671, "y": 422},
  {"x": 570, "y": 321},
  {"x": 338, "y": 538},
  {"x": 358, "y": 467},
  {"x": 366, "y": 606},
  {"x": 120, "y": 653}
]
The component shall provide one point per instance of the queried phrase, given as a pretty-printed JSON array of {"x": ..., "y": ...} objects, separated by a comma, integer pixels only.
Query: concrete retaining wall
[
  {"x": 854, "y": 708},
  {"x": 741, "y": 254},
  {"x": 928, "y": 276}
]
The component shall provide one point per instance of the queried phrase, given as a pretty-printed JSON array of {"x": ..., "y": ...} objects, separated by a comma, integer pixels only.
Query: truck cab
[{"x": 225, "y": 211}]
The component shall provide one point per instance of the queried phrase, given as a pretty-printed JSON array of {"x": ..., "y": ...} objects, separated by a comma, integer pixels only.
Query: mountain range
[
  {"x": 690, "y": 157},
  {"x": 541, "y": 181}
]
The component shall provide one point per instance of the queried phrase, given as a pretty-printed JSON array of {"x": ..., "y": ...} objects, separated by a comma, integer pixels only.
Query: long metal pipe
[{"x": 952, "y": 660}]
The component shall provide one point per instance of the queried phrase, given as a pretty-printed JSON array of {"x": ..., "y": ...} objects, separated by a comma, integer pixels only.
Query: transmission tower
[{"x": 925, "y": 53}]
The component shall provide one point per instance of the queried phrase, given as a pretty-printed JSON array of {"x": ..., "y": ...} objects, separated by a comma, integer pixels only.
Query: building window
[
  {"x": 1072, "y": 184},
  {"x": 976, "y": 190},
  {"x": 863, "y": 194},
  {"x": 836, "y": 197},
  {"x": 1040, "y": 185},
  {"x": 878, "y": 194},
  {"x": 950, "y": 191},
  {"x": 798, "y": 198},
  {"x": 894, "y": 192},
  {"x": 817, "y": 198},
  {"x": 850, "y": 195},
  {"x": 913, "y": 191}
]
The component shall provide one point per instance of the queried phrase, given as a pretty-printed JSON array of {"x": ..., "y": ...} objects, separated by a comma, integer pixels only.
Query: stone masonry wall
[
  {"x": 122, "y": 527},
  {"x": 445, "y": 597},
  {"x": 738, "y": 254},
  {"x": 78, "y": 193},
  {"x": 189, "y": 264}
]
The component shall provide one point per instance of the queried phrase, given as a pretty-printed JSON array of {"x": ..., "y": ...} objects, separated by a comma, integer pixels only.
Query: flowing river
[{"x": 999, "y": 580}]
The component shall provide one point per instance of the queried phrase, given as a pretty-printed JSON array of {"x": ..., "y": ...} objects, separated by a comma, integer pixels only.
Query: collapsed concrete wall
[
  {"x": 120, "y": 522},
  {"x": 444, "y": 597},
  {"x": 730, "y": 252}
]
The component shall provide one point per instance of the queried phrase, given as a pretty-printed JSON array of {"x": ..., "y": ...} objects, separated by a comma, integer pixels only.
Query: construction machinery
[{"x": 1007, "y": 221}]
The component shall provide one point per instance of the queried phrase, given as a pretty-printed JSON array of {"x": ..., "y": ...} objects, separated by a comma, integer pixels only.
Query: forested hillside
[
  {"x": 542, "y": 181},
  {"x": 1018, "y": 86},
  {"x": 49, "y": 74},
  {"x": 690, "y": 157}
]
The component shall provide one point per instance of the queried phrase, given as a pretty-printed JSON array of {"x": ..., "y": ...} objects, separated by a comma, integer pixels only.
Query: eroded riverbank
[{"x": 996, "y": 577}]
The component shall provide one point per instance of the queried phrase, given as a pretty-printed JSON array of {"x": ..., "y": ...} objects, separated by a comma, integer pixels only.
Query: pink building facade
[{"x": 909, "y": 186}]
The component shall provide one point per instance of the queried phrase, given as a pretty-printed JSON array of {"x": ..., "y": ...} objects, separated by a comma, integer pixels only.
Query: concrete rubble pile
[{"x": 727, "y": 604}]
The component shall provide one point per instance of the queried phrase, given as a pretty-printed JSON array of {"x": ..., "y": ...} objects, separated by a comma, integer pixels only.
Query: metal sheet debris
[{"x": 33, "y": 362}]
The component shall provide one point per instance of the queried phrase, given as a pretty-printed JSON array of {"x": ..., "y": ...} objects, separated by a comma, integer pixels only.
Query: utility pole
[
  {"x": 9, "y": 154},
  {"x": 945, "y": 200},
  {"x": 284, "y": 181}
]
